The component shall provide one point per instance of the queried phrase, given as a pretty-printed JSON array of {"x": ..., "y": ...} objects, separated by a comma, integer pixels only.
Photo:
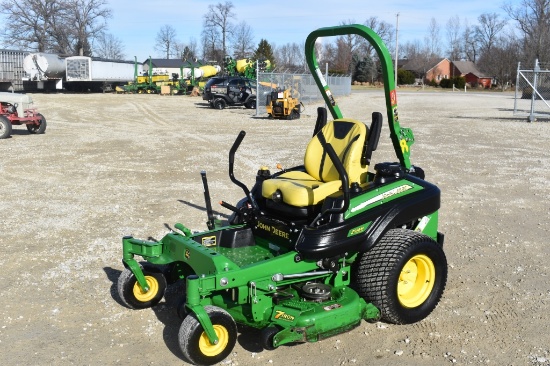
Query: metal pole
[
  {"x": 396, "y": 45},
  {"x": 517, "y": 89},
  {"x": 534, "y": 92},
  {"x": 257, "y": 87}
]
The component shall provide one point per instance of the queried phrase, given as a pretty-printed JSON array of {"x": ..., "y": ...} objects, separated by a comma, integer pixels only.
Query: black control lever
[
  {"x": 209, "y": 211},
  {"x": 234, "y": 148}
]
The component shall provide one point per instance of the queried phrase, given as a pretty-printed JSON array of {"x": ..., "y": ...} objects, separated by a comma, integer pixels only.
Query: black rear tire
[
  {"x": 404, "y": 275},
  {"x": 38, "y": 129}
]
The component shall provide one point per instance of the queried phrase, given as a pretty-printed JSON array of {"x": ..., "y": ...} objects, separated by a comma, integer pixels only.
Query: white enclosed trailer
[
  {"x": 82, "y": 68},
  {"x": 88, "y": 73}
]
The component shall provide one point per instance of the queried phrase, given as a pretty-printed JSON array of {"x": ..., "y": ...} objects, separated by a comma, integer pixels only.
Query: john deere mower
[
  {"x": 311, "y": 251},
  {"x": 281, "y": 105}
]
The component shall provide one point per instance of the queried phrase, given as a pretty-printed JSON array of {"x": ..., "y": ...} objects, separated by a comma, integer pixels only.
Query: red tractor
[{"x": 17, "y": 109}]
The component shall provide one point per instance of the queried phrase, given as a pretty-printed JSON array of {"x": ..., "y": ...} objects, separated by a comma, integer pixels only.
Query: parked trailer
[
  {"x": 96, "y": 74},
  {"x": 11, "y": 70},
  {"x": 46, "y": 69}
]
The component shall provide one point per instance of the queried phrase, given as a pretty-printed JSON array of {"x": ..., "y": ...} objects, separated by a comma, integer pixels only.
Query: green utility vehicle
[{"x": 309, "y": 252}]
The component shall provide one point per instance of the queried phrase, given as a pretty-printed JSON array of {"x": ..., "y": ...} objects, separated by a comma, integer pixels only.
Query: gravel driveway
[{"x": 115, "y": 165}]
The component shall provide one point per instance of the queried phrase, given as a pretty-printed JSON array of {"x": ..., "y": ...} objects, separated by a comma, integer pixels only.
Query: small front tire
[
  {"x": 267, "y": 336},
  {"x": 195, "y": 344},
  {"x": 133, "y": 296}
]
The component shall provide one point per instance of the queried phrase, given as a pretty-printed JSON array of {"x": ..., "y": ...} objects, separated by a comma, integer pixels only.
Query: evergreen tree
[
  {"x": 265, "y": 52},
  {"x": 405, "y": 77},
  {"x": 364, "y": 69}
]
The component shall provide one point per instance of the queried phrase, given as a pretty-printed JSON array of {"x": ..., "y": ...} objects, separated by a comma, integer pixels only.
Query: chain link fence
[
  {"x": 533, "y": 92},
  {"x": 302, "y": 86}
]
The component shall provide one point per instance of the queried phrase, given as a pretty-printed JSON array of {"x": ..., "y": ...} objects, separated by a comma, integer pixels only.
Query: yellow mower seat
[{"x": 321, "y": 179}]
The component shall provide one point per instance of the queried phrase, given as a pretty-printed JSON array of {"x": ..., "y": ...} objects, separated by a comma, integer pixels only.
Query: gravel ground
[{"x": 115, "y": 165}]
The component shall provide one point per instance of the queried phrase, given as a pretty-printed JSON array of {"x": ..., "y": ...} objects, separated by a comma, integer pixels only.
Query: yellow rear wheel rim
[
  {"x": 212, "y": 350},
  {"x": 416, "y": 281},
  {"x": 143, "y": 296}
]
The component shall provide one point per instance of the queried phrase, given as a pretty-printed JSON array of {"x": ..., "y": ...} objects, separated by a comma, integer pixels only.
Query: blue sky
[{"x": 137, "y": 22}]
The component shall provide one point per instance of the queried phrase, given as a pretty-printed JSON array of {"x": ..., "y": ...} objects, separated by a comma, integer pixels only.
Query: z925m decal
[{"x": 382, "y": 196}]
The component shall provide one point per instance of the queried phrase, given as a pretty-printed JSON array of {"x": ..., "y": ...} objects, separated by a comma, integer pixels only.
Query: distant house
[
  {"x": 428, "y": 70},
  {"x": 437, "y": 70},
  {"x": 473, "y": 76},
  {"x": 440, "y": 71}
]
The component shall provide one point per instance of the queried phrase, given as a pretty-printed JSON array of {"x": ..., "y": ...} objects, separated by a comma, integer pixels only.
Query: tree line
[{"x": 495, "y": 43}]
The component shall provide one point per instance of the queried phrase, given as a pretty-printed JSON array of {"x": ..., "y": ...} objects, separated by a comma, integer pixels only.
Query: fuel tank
[{"x": 43, "y": 66}]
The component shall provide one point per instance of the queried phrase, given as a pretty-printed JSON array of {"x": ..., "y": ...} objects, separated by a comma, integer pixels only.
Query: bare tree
[
  {"x": 488, "y": 30},
  {"x": 328, "y": 54},
  {"x": 290, "y": 57},
  {"x": 186, "y": 51},
  {"x": 347, "y": 45},
  {"x": 419, "y": 58},
  {"x": 453, "y": 37},
  {"x": 218, "y": 20},
  {"x": 385, "y": 30},
  {"x": 433, "y": 40},
  {"x": 532, "y": 18},
  {"x": 210, "y": 40},
  {"x": 166, "y": 40},
  {"x": 33, "y": 21},
  {"x": 469, "y": 43},
  {"x": 62, "y": 26},
  {"x": 504, "y": 56},
  {"x": 108, "y": 46},
  {"x": 86, "y": 21},
  {"x": 242, "y": 41}
]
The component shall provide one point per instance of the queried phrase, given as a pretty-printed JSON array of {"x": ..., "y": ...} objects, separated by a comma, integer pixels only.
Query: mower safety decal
[
  {"x": 209, "y": 241},
  {"x": 393, "y": 98},
  {"x": 321, "y": 77},
  {"x": 422, "y": 224},
  {"x": 382, "y": 196}
]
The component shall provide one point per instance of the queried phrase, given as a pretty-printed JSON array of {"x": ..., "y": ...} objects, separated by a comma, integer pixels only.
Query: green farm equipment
[
  {"x": 176, "y": 83},
  {"x": 311, "y": 251},
  {"x": 245, "y": 67}
]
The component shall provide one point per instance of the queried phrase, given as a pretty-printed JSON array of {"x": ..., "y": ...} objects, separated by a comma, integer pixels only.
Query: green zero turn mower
[{"x": 309, "y": 251}]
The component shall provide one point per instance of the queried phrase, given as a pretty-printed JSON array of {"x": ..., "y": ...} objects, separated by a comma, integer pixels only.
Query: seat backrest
[{"x": 347, "y": 137}]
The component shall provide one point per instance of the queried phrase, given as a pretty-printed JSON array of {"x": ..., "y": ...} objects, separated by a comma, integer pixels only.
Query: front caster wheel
[
  {"x": 133, "y": 295},
  {"x": 195, "y": 344},
  {"x": 268, "y": 336}
]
